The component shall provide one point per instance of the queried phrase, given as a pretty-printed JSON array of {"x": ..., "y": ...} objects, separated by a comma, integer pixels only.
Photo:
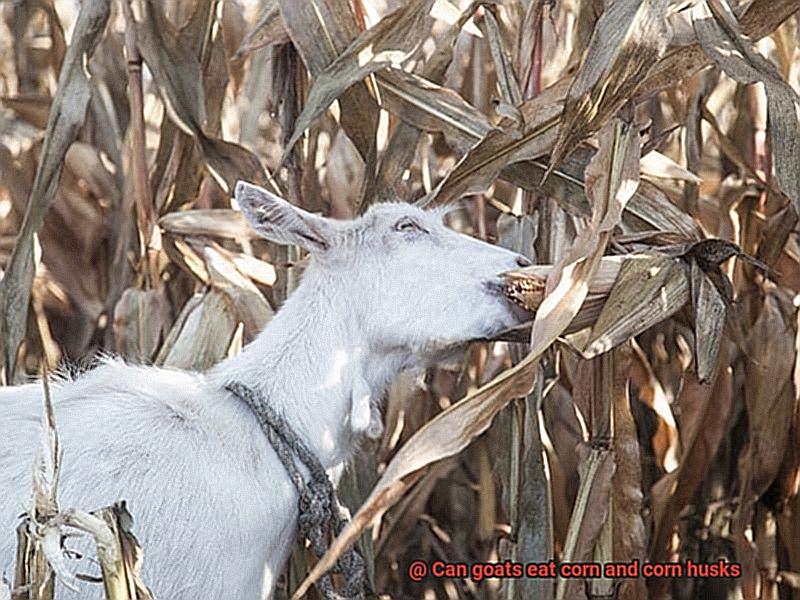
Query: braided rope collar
[{"x": 318, "y": 506}]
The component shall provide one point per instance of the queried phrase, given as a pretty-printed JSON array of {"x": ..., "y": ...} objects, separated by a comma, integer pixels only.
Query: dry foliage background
[{"x": 669, "y": 134}]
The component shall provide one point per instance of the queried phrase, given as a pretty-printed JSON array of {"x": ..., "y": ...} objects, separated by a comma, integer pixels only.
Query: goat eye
[{"x": 405, "y": 225}]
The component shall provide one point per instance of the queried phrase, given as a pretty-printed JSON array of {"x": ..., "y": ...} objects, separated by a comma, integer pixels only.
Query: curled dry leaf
[
  {"x": 647, "y": 291},
  {"x": 721, "y": 39},
  {"x": 201, "y": 334},
  {"x": 431, "y": 107},
  {"x": 218, "y": 222},
  {"x": 268, "y": 30},
  {"x": 704, "y": 420},
  {"x": 760, "y": 18},
  {"x": 503, "y": 146},
  {"x": 709, "y": 315},
  {"x": 630, "y": 36},
  {"x": 178, "y": 76},
  {"x": 630, "y": 534},
  {"x": 250, "y": 307},
  {"x": 596, "y": 468},
  {"x": 321, "y": 30},
  {"x": 389, "y": 42},
  {"x": 768, "y": 391}
]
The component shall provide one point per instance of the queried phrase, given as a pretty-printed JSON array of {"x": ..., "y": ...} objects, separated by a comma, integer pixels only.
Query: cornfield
[{"x": 645, "y": 154}]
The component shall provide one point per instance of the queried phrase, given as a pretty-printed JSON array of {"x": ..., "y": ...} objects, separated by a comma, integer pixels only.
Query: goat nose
[{"x": 523, "y": 261}]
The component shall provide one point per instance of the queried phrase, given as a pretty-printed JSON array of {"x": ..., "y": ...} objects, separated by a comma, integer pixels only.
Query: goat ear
[{"x": 281, "y": 222}]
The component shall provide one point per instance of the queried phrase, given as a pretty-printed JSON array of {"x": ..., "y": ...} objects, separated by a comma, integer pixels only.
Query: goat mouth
[{"x": 514, "y": 295}]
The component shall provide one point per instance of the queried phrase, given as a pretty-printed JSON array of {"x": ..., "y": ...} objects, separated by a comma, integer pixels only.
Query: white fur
[{"x": 213, "y": 508}]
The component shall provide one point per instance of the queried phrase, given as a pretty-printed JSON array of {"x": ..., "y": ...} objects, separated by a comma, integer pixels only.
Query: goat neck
[{"x": 315, "y": 364}]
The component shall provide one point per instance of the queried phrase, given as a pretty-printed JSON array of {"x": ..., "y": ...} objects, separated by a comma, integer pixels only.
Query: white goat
[{"x": 214, "y": 508}]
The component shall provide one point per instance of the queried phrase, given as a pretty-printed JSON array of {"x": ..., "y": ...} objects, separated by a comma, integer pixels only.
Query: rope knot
[{"x": 319, "y": 515}]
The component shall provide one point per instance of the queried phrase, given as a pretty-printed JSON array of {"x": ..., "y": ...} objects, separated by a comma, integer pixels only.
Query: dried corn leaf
[
  {"x": 704, "y": 421},
  {"x": 760, "y": 18},
  {"x": 500, "y": 147},
  {"x": 648, "y": 209},
  {"x": 647, "y": 291},
  {"x": 709, "y": 314},
  {"x": 596, "y": 468},
  {"x": 66, "y": 119},
  {"x": 321, "y": 30},
  {"x": 178, "y": 76},
  {"x": 630, "y": 36},
  {"x": 431, "y": 107},
  {"x": 140, "y": 319},
  {"x": 630, "y": 536},
  {"x": 389, "y": 42},
  {"x": 268, "y": 30},
  {"x": 506, "y": 79},
  {"x": 722, "y": 40},
  {"x": 251, "y": 308},
  {"x": 655, "y": 164},
  {"x": 219, "y": 222},
  {"x": 768, "y": 390},
  {"x": 201, "y": 334},
  {"x": 400, "y": 150}
]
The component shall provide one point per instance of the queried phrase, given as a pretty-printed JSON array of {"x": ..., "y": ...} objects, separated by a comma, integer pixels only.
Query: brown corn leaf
[
  {"x": 703, "y": 422},
  {"x": 201, "y": 334},
  {"x": 709, "y": 315},
  {"x": 218, "y": 222},
  {"x": 768, "y": 389},
  {"x": 760, "y": 18},
  {"x": 630, "y": 36},
  {"x": 141, "y": 317},
  {"x": 503, "y": 146},
  {"x": 596, "y": 468},
  {"x": 268, "y": 30},
  {"x": 66, "y": 119},
  {"x": 431, "y": 107},
  {"x": 506, "y": 79},
  {"x": 321, "y": 30},
  {"x": 648, "y": 209},
  {"x": 630, "y": 539},
  {"x": 402, "y": 144},
  {"x": 389, "y": 42},
  {"x": 647, "y": 291},
  {"x": 722, "y": 40},
  {"x": 250, "y": 306},
  {"x": 178, "y": 76}
]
